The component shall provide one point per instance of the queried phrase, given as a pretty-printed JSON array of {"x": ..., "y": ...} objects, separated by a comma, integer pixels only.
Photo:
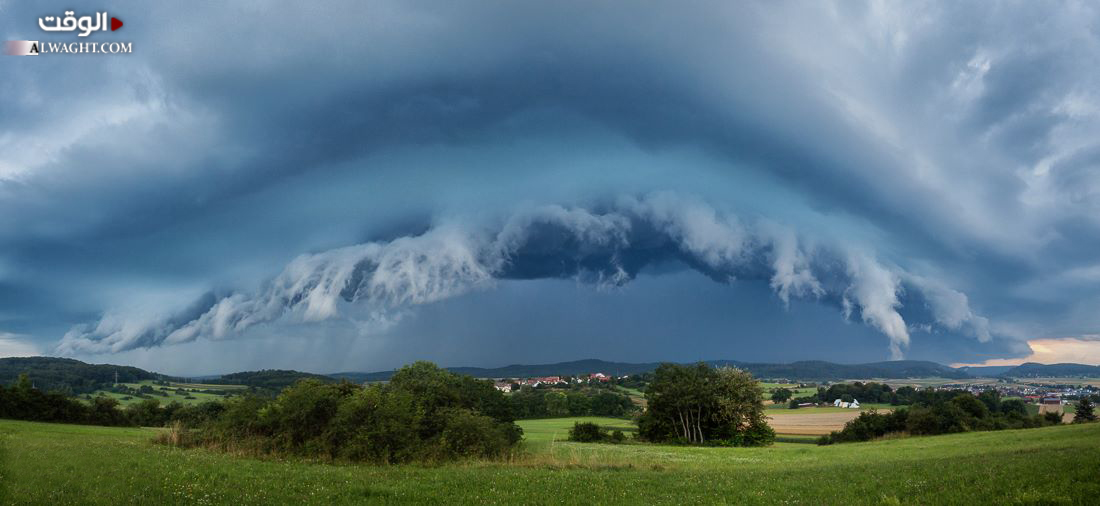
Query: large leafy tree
[{"x": 698, "y": 404}]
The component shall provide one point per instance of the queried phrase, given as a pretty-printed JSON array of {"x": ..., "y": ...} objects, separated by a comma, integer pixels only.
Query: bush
[
  {"x": 468, "y": 434},
  {"x": 618, "y": 436},
  {"x": 872, "y": 424},
  {"x": 759, "y": 434},
  {"x": 587, "y": 432},
  {"x": 423, "y": 414}
]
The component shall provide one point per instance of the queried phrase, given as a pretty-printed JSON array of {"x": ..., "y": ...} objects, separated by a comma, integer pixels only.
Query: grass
[
  {"x": 69, "y": 464},
  {"x": 171, "y": 394},
  {"x": 546, "y": 430}
]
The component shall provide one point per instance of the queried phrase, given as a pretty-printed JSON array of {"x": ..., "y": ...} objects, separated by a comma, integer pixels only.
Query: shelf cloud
[{"x": 606, "y": 246}]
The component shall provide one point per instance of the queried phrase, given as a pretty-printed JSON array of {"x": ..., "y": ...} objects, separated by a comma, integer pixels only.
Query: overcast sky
[{"x": 336, "y": 186}]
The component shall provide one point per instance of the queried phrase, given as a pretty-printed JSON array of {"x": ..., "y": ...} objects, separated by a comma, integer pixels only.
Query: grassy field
[
  {"x": 636, "y": 396},
  {"x": 793, "y": 387},
  {"x": 170, "y": 392},
  {"x": 67, "y": 464},
  {"x": 546, "y": 430}
]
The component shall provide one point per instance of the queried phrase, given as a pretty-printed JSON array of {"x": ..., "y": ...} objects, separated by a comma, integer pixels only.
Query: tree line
[
  {"x": 530, "y": 402},
  {"x": 947, "y": 411},
  {"x": 870, "y": 392}
]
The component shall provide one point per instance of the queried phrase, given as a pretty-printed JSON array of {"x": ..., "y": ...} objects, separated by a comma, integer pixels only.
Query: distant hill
[
  {"x": 986, "y": 371},
  {"x": 522, "y": 371},
  {"x": 68, "y": 375},
  {"x": 822, "y": 370},
  {"x": 76, "y": 377},
  {"x": 804, "y": 370},
  {"x": 275, "y": 379},
  {"x": 1034, "y": 370}
]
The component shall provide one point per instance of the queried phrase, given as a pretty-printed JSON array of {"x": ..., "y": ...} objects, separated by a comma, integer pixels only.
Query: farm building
[
  {"x": 1050, "y": 405},
  {"x": 850, "y": 405}
]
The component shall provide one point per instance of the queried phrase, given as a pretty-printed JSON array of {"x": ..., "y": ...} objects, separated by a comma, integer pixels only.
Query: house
[
  {"x": 850, "y": 405},
  {"x": 599, "y": 376},
  {"x": 503, "y": 386}
]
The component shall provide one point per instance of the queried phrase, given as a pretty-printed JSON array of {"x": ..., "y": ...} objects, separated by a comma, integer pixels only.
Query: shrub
[
  {"x": 423, "y": 413},
  {"x": 468, "y": 434},
  {"x": 587, "y": 432},
  {"x": 759, "y": 434}
]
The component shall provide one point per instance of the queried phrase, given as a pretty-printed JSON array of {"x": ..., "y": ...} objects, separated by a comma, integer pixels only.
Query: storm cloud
[{"x": 927, "y": 171}]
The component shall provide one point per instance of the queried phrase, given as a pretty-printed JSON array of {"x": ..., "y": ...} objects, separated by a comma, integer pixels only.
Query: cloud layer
[{"x": 607, "y": 248}]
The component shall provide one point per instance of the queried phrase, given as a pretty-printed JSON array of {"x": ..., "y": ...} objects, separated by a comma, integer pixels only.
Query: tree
[
  {"x": 697, "y": 404},
  {"x": 1084, "y": 412},
  {"x": 557, "y": 404},
  {"x": 781, "y": 395}
]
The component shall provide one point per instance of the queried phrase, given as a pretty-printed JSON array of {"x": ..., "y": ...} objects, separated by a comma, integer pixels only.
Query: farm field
[
  {"x": 170, "y": 392},
  {"x": 70, "y": 464},
  {"x": 793, "y": 387},
  {"x": 812, "y": 421},
  {"x": 636, "y": 396},
  {"x": 927, "y": 382},
  {"x": 1061, "y": 381}
]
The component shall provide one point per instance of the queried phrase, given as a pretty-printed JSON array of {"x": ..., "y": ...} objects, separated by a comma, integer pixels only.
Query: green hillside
[
  {"x": 69, "y": 464},
  {"x": 68, "y": 375}
]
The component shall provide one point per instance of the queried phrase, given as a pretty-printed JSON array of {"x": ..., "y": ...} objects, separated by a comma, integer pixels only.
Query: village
[{"x": 506, "y": 385}]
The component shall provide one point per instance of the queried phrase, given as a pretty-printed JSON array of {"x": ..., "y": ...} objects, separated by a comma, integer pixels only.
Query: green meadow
[
  {"x": 71, "y": 464},
  {"x": 170, "y": 393}
]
